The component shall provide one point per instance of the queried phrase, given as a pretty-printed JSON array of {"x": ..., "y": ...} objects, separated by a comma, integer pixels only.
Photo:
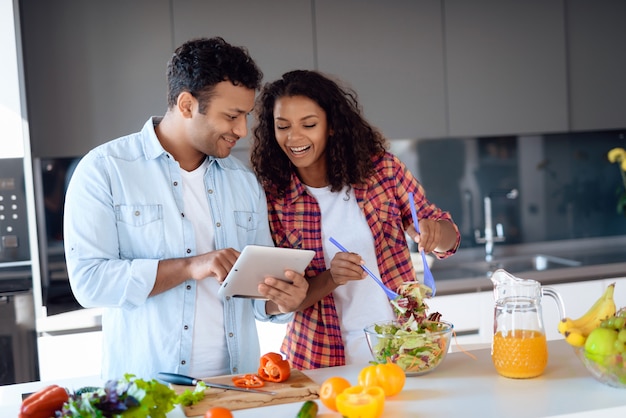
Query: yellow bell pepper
[
  {"x": 389, "y": 376},
  {"x": 361, "y": 402}
]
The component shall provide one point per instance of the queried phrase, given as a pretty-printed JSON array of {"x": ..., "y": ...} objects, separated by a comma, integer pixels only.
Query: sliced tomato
[{"x": 249, "y": 380}]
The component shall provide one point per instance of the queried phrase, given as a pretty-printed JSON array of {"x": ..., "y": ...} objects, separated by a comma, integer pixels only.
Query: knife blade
[{"x": 181, "y": 379}]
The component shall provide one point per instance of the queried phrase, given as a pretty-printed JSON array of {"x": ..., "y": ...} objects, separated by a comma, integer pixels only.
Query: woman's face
[{"x": 301, "y": 129}]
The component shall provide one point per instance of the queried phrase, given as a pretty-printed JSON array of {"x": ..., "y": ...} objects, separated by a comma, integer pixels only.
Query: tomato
[
  {"x": 329, "y": 390},
  {"x": 274, "y": 368},
  {"x": 361, "y": 402},
  {"x": 248, "y": 381},
  {"x": 218, "y": 412},
  {"x": 389, "y": 376}
]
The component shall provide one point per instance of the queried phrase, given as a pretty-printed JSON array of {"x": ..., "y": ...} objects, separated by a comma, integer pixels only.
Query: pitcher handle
[{"x": 550, "y": 291}]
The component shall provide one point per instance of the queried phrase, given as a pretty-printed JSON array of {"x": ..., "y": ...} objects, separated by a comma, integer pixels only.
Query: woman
[{"x": 327, "y": 173}]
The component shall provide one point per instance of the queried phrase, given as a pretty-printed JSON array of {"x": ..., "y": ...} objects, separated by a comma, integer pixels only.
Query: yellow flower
[{"x": 617, "y": 155}]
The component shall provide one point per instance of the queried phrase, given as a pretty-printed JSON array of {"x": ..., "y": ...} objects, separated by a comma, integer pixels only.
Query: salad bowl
[{"x": 418, "y": 348}]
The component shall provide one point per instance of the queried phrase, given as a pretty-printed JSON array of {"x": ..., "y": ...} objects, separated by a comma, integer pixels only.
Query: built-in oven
[{"x": 18, "y": 337}]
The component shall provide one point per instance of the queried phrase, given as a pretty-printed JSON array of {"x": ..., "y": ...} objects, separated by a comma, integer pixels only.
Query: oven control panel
[{"x": 14, "y": 245}]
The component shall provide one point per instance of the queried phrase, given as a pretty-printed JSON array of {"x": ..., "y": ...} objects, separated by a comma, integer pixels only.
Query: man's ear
[{"x": 186, "y": 103}]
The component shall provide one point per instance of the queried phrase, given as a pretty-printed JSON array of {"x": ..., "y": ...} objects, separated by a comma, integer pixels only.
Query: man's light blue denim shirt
[{"x": 123, "y": 213}]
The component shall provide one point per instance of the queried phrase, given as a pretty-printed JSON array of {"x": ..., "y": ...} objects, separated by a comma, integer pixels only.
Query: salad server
[
  {"x": 181, "y": 379},
  {"x": 390, "y": 293},
  {"x": 429, "y": 280}
]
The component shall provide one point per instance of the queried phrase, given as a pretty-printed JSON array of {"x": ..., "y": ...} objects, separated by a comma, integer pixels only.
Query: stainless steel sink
[{"x": 536, "y": 262}]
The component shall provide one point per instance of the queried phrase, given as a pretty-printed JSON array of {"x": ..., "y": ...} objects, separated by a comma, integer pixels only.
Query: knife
[{"x": 181, "y": 379}]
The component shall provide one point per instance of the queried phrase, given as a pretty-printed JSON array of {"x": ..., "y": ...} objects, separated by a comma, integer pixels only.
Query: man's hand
[
  {"x": 215, "y": 264},
  {"x": 284, "y": 297}
]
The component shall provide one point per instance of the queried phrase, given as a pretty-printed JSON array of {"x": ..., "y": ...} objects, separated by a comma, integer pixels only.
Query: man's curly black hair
[
  {"x": 350, "y": 148},
  {"x": 199, "y": 64}
]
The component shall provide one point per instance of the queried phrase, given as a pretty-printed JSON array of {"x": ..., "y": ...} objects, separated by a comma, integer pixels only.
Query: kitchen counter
[
  {"x": 585, "y": 259},
  {"x": 461, "y": 385}
]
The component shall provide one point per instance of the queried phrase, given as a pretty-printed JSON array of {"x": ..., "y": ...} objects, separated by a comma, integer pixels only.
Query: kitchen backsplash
[{"x": 542, "y": 187}]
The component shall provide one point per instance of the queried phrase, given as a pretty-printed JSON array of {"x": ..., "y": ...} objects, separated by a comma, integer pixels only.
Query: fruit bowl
[
  {"x": 608, "y": 369},
  {"x": 417, "y": 352}
]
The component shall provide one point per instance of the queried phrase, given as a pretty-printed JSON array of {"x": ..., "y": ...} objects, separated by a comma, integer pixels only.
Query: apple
[{"x": 601, "y": 343}]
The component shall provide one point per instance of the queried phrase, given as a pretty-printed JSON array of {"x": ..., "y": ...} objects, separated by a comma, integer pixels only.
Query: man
[{"x": 155, "y": 220}]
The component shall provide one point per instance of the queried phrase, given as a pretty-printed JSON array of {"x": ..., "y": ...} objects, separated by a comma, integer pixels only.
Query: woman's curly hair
[{"x": 350, "y": 149}]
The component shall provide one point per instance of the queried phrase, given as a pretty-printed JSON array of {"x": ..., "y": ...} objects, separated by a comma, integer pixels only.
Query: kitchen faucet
[{"x": 490, "y": 238}]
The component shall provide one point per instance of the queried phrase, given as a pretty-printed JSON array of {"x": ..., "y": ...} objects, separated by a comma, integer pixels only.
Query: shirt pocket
[
  {"x": 246, "y": 222},
  {"x": 390, "y": 221},
  {"x": 141, "y": 231}
]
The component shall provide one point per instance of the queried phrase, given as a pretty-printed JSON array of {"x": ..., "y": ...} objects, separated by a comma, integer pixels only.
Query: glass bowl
[
  {"x": 610, "y": 370},
  {"x": 416, "y": 352}
]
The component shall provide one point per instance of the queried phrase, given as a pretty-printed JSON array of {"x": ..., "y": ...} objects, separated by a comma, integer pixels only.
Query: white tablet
[{"x": 257, "y": 262}]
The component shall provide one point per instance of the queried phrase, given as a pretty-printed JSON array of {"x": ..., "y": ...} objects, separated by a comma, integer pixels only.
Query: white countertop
[{"x": 461, "y": 386}]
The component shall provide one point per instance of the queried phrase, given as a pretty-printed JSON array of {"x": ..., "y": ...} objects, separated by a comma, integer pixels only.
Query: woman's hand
[
  {"x": 436, "y": 235},
  {"x": 345, "y": 267}
]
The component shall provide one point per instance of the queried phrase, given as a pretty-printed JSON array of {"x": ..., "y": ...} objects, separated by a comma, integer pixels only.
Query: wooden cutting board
[{"x": 298, "y": 388}]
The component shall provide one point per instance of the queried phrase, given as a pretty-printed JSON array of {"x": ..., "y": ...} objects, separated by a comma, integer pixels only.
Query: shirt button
[
  {"x": 218, "y": 224},
  {"x": 188, "y": 287},
  {"x": 175, "y": 183},
  {"x": 188, "y": 250},
  {"x": 210, "y": 191},
  {"x": 230, "y": 334},
  {"x": 227, "y": 297},
  {"x": 183, "y": 362},
  {"x": 234, "y": 370},
  {"x": 137, "y": 213},
  {"x": 186, "y": 327}
]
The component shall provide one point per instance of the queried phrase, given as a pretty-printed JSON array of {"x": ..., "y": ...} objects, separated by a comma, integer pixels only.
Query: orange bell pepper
[
  {"x": 274, "y": 368},
  {"x": 389, "y": 376},
  {"x": 44, "y": 403},
  {"x": 248, "y": 381},
  {"x": 361, "y": 402}
]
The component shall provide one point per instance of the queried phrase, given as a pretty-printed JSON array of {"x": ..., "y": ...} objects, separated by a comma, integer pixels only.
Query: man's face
[{"x": 216, "y": 132}]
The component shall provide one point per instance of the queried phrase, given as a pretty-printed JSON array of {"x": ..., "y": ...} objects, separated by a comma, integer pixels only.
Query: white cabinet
[
  {"x": 505, "y": 67},
  {"x": 597, "y": 63},
  {"x": 470, "y": 313},
  {"x": 391, "y": 53},
  {"x": 70, "y": 355}
]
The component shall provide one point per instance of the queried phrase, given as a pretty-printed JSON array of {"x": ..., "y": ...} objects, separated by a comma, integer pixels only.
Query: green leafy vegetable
[
  {"x": 189, "y": 397},
  {"x": 412, "y": 341},
  {"x": 127, "y": 398}
]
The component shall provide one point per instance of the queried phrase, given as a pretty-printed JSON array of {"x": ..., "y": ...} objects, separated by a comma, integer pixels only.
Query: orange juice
[{"x": 520, "y": 354}]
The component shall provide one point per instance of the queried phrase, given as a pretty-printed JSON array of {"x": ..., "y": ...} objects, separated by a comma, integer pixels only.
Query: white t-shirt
[
  {"x": 209, "y": 354},
  {"x": 360, "y": 302}
]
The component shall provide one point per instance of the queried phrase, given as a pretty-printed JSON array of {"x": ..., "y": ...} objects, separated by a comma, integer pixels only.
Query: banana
[
  {"x": 603, "y": 308},
  {"x": 565, "y": 324},
  {"x": 575, "y": 337}
]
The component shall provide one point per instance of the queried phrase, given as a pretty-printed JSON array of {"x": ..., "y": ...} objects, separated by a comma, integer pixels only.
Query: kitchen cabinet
[
  {"x": 279, "y": 37},
  {"x": 505, "y": 67},
  {"x": 94, "y": 70},
  {"x": 391, "y": 53},
  {"x": 470, "y": 313},
  {"x": 70, "y": 355},
  {"x": 596, "y": 54}
]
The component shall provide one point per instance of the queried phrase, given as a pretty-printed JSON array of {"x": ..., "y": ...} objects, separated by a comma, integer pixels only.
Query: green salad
[{"x": 416, "y": 341}]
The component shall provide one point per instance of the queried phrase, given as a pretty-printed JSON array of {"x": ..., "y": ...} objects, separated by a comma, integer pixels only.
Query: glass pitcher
[{"x": 519, "y": 349}]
